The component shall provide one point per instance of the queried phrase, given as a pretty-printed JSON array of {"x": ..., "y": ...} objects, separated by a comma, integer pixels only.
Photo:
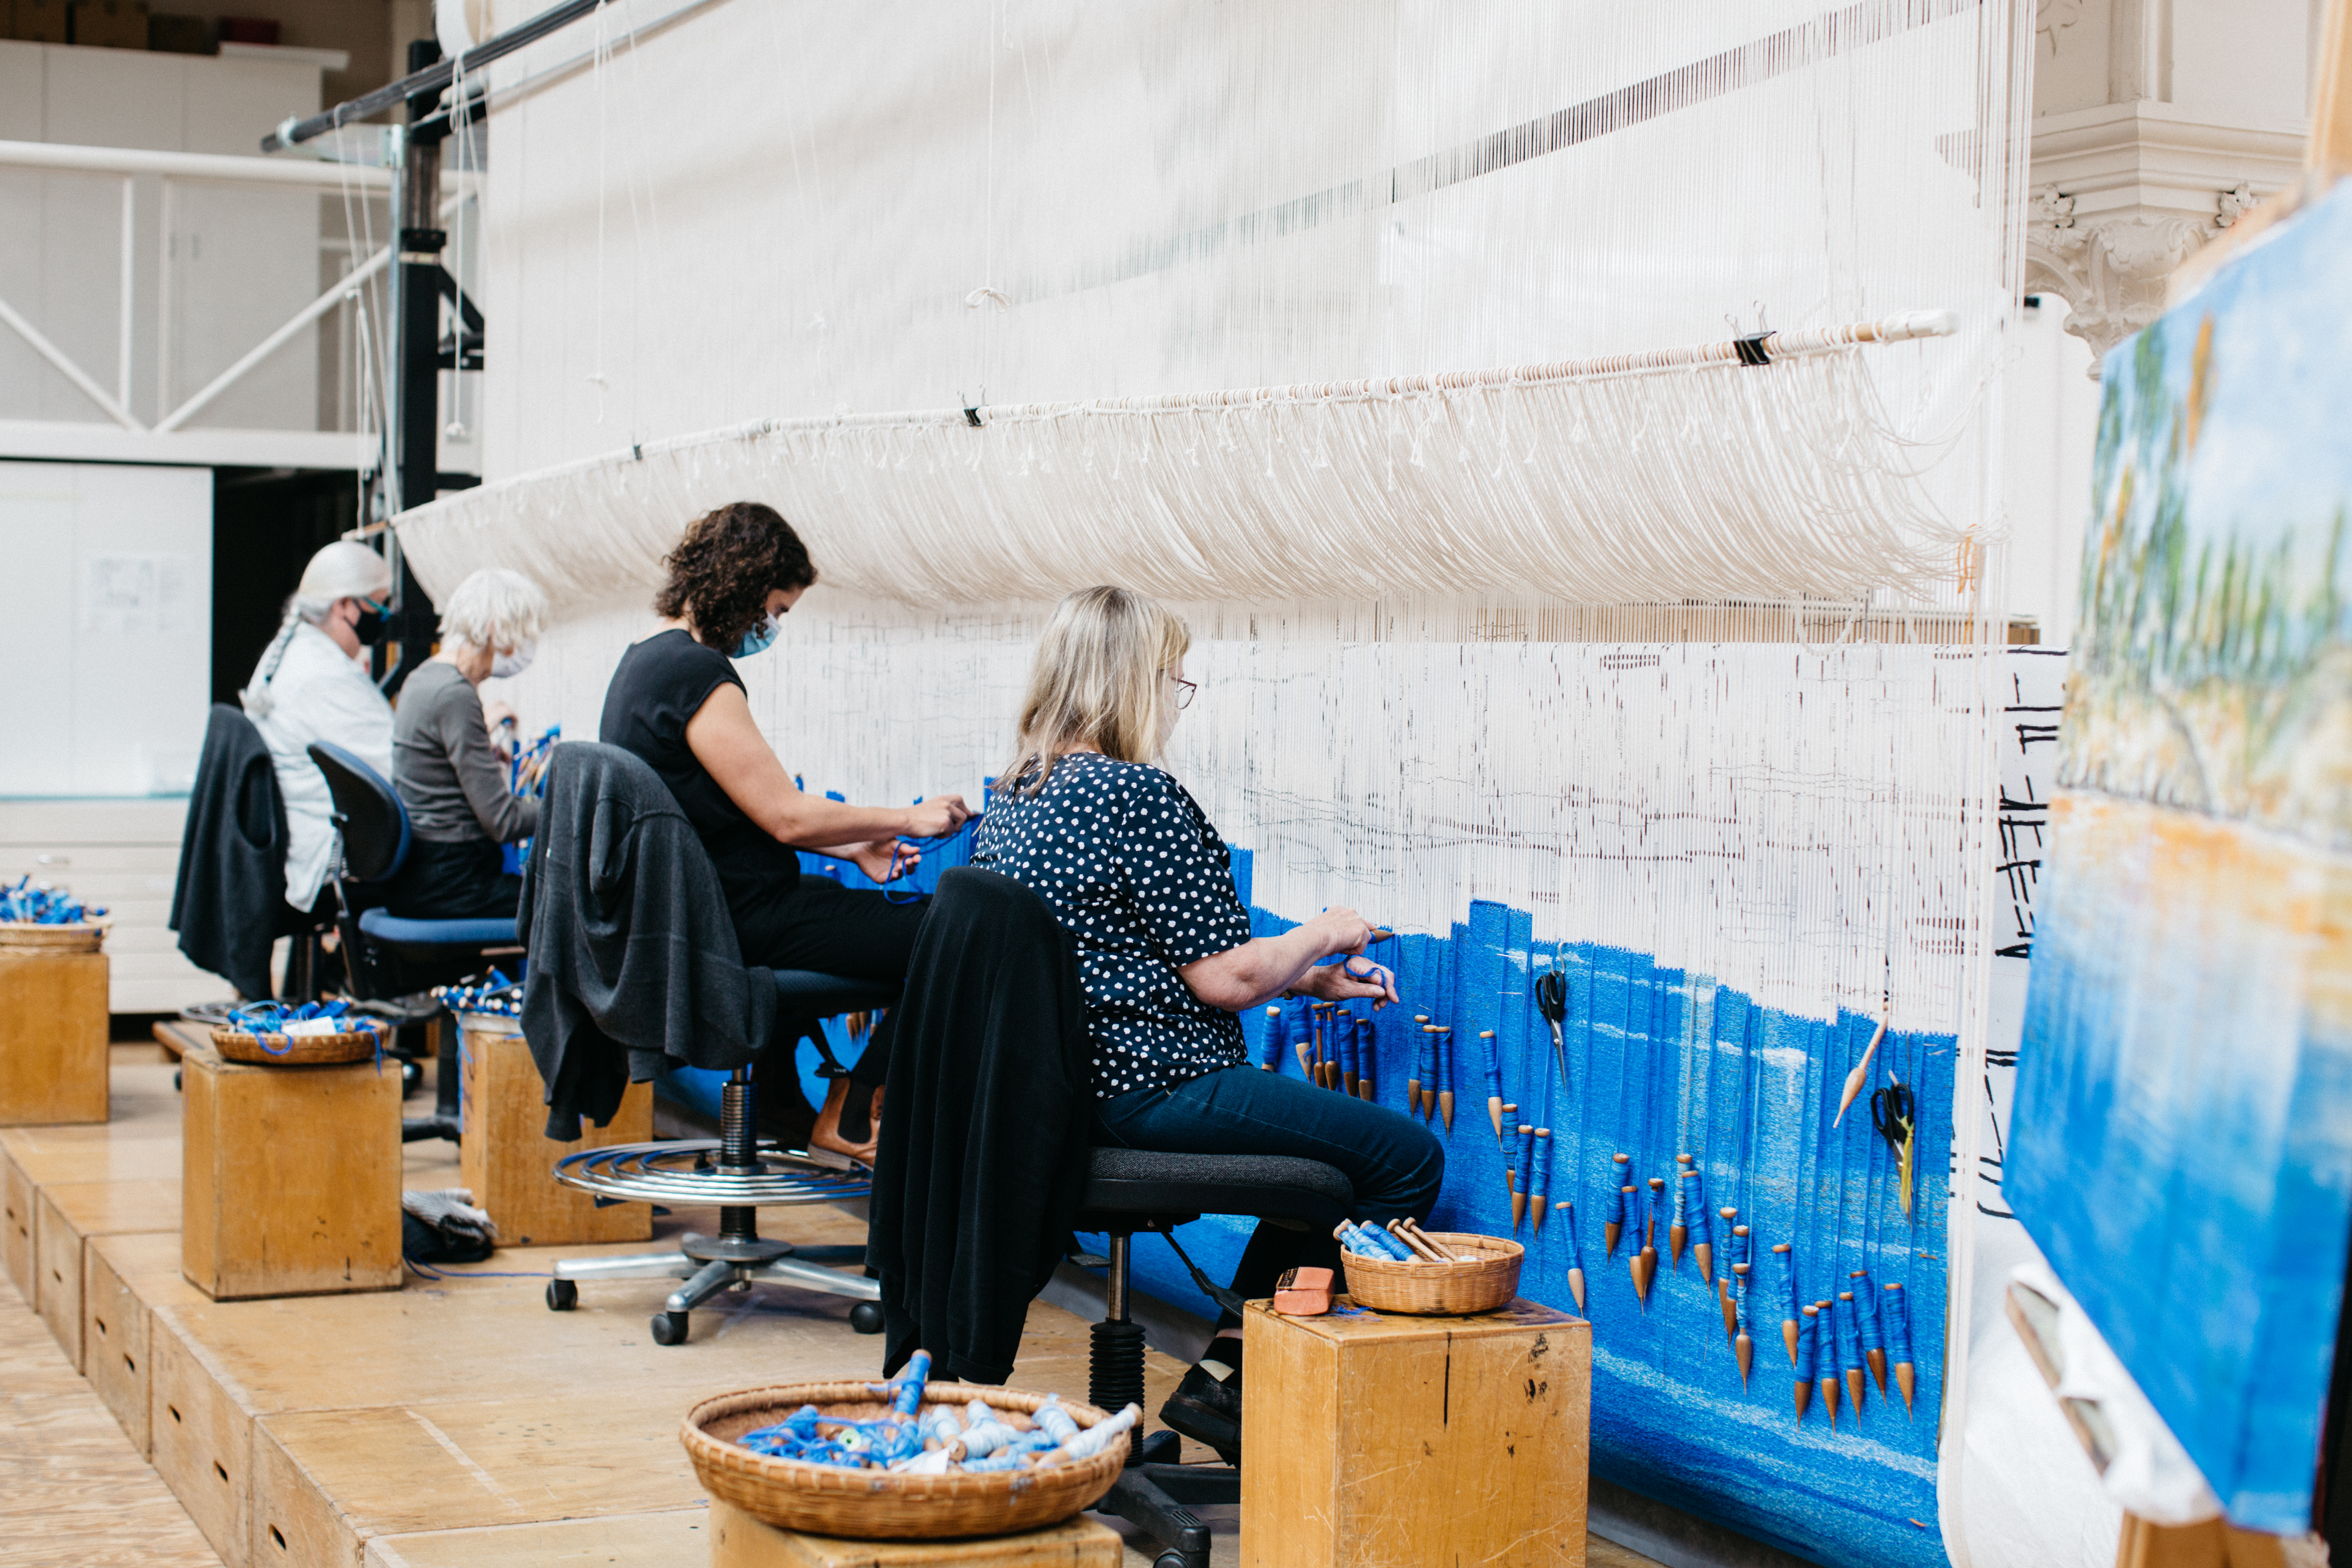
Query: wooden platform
[{"x": 454, "y": 1424}]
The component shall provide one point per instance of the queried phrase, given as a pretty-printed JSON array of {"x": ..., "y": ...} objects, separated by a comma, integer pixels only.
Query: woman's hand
[
  {"x": 1266, "y": 967},
  {"x": 1350, "y": 980},
  {"x": 498, "y": 716},
  {"x": 937, "y": 817},
  {"x": 1342, "y": 930},
  {"x": 876, "y": 859}
]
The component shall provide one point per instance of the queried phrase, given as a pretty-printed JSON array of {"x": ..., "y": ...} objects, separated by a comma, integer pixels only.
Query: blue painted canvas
[{"x": 2182, "y": 1140}]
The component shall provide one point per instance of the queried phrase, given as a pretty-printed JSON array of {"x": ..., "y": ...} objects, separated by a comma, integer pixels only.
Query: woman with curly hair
[{"x": 676, "y": 701}]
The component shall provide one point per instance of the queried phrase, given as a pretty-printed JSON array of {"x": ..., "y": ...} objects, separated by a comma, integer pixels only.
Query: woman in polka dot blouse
[{"x": 1086, "y": 817}]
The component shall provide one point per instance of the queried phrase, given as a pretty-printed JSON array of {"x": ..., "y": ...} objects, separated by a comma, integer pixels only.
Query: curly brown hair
[{"x": 720, "y": 572}]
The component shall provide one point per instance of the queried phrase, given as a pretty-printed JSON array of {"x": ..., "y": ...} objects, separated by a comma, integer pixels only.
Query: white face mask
[{"x": 514, "y": 661}]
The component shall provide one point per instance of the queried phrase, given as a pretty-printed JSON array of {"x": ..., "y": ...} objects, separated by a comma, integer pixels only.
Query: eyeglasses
[{"x": 1185, "y": 690}]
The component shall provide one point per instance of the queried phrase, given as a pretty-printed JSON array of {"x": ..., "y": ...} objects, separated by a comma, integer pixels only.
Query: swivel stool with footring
[
  {"x": 1131, "y": 1190},
  {"x": 739, "y": 1175}
]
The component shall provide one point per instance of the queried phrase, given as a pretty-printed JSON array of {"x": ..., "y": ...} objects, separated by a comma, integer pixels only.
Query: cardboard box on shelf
[
  {"x": 38, "y": 21},
  {"x": 181, "y": 36},
  {"x": 110, "y": 24}
]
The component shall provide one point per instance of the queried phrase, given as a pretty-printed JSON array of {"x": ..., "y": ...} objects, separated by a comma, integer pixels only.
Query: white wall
[
  {"x": 2052, "y": 409},
  {"x": 243, "y": 260},
  {"x": 105, "y": 628}
]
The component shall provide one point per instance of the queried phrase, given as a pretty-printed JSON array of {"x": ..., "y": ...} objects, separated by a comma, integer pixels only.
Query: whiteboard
[{"x": 105, "y": 628}]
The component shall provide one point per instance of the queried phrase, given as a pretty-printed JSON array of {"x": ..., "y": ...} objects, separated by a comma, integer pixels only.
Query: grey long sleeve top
[{"x": 453, "y": 785}]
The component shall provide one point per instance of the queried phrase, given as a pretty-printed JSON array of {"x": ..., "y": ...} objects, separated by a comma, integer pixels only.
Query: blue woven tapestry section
[{"x": 1662, "y": 1063}]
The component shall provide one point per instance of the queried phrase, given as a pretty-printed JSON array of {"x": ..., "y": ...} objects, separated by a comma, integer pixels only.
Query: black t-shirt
[{"x": 659, "y": 685}]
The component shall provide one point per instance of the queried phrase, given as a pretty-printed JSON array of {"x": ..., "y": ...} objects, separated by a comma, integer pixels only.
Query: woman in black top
[
  {"x": 1139, "y": 878},
  {"x": 675, "y": 700}
]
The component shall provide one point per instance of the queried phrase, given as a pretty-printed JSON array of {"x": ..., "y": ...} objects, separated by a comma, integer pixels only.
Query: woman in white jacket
[{"x": 312, "y": 684}]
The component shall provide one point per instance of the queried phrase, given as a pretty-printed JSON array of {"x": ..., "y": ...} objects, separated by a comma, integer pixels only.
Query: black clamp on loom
[{"x": 1750, "y": 348}]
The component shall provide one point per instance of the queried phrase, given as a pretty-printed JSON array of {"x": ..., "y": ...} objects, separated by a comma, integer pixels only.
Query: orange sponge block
[{"x": 1303, "y": 1293}]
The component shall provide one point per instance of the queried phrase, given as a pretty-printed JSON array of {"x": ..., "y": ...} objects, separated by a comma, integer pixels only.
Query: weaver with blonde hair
[{"x": 1087, "y": 817}]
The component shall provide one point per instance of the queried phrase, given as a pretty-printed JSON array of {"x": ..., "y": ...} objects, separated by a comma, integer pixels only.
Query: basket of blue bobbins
[
  {"x": 48, "y": 919},
  {"x": 905, "y": 1460},
  {"x": 1446, "y": 1273},
  {"x": 317, "y": 1033}
]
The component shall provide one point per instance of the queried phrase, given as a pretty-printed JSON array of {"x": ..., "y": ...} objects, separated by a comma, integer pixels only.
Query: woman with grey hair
[
  {"x": 312, "y": 685},
  {"x": 452, "y": 781}
]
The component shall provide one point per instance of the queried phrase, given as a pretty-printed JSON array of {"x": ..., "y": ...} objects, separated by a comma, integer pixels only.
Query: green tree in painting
[{"x": 2204, "y": 659}]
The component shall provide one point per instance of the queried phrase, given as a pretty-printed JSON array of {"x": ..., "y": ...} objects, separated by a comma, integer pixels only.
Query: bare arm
[
  {"x": 1270, "y": 966},
  {"x": 730, "y": 746}
]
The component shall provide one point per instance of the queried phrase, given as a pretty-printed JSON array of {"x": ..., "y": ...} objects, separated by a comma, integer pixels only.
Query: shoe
[
  {"x": 829, "y": 1145},
  {"x": 1207, "y": 1408}
]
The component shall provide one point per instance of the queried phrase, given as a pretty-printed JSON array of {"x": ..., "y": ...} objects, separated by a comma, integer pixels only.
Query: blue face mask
[{"x": 760, "y": 638}]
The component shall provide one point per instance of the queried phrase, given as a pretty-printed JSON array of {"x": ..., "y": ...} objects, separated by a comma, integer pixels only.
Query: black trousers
[
  {"x": 852, "y": 931},
  {"x": 463, "y": 881}
]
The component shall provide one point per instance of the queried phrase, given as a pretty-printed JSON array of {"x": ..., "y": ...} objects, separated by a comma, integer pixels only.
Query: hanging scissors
[
  {"x": 1894, "y": 1114},
  {"x": 1551, "y": 1001}
]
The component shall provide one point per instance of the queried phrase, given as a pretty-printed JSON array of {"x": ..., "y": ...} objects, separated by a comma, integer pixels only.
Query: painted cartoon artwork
[{"x": 2181, "y": 1147}]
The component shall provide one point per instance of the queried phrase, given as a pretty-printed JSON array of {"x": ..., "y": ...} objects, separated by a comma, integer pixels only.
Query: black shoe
[{"x": 1208, "y": 1409}]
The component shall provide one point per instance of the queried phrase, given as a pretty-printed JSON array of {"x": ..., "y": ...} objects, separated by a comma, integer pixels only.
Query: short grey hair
[{"x": 495, "y": 608}]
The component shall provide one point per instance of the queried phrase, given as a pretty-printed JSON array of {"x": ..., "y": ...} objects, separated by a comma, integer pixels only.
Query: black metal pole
[{"x": 417, "y": 356}]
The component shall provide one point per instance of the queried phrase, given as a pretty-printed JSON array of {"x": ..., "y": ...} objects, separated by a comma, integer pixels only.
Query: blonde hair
[
  {"x": 1095, "y": 681},
  {"x": 495, "y": 608}
]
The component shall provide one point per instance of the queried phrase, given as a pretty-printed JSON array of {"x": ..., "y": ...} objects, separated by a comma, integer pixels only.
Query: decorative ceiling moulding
[{"x": 2124, "y": 193}]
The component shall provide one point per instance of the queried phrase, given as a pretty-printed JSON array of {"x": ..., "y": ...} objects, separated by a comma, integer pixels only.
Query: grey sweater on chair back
[{"x": 633, "y": 956}]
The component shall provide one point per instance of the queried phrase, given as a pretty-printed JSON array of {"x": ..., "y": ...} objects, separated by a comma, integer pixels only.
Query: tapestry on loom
[{"x": 2182, "y": 1139}]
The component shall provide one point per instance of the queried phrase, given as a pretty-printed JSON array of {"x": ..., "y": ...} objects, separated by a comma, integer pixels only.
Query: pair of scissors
[{"x": 1551, "y": 1001}]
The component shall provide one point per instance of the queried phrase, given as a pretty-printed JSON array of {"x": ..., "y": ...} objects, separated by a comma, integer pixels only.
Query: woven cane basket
[
  {"x": 80, "y": 936},
  {"x": 874, "y": 1505},
  {"x": 293, "y": 1050},
  {"x": 1440, "y": 1290}
]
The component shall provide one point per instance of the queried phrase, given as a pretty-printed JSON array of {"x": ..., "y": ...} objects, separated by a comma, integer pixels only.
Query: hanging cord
[
  {"x": 988, "y": 293},
  {"x": 598, "y": 58}
]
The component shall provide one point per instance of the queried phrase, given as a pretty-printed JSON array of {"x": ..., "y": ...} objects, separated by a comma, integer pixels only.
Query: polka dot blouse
[{"x": 1144, "y": 885}]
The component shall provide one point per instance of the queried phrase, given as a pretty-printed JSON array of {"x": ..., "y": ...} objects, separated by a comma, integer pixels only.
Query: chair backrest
[
  {"x": 368, "y": 813},
  {"x": 595, "y": 768}
]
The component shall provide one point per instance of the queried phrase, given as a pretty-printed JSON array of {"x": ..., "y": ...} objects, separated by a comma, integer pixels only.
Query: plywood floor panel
[
  {"x": 71, "y": 1489},
  {"x": 674, "y": 1536},
  {"x": 124, "y": 1278},
  {"x": 455, "y": 1422}
]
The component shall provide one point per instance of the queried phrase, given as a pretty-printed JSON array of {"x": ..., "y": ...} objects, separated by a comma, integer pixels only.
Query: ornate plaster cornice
[{"x": 2125, "y": 193}]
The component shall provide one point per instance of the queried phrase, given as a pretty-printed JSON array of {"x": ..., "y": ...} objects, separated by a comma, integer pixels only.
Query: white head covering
[{"x": 344, "y": 570}]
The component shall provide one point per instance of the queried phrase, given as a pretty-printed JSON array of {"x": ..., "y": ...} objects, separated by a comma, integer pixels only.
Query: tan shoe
[{"x": 827, "y": 1146}]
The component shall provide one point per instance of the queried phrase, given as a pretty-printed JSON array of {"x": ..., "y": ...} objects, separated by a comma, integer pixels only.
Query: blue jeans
[{"x": 1394, "y": 1162}]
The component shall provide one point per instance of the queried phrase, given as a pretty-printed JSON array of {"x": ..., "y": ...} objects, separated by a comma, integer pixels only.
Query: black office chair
[
  {"x": 1131, "y": 1190},
  {"x": 392, "y": 960},
  {"x": 740, "y": 1174}
]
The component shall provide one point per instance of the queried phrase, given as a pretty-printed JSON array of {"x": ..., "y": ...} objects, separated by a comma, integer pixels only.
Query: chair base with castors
[
  {"x": 1131, "y": 1190},
  {"x": 740, "y": 1175},
  {"x": 709, "y": 1264}
]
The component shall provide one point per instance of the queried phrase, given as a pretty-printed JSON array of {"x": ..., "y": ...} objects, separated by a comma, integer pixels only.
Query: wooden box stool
[
  {"x": 52, "y": 1036},
  {"x": 508, "y": 1159},
  {"x": 290, "y": 1177},
  {"x": 739, "y": 1540},
  {"x": 1389, "y": 1441}
]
